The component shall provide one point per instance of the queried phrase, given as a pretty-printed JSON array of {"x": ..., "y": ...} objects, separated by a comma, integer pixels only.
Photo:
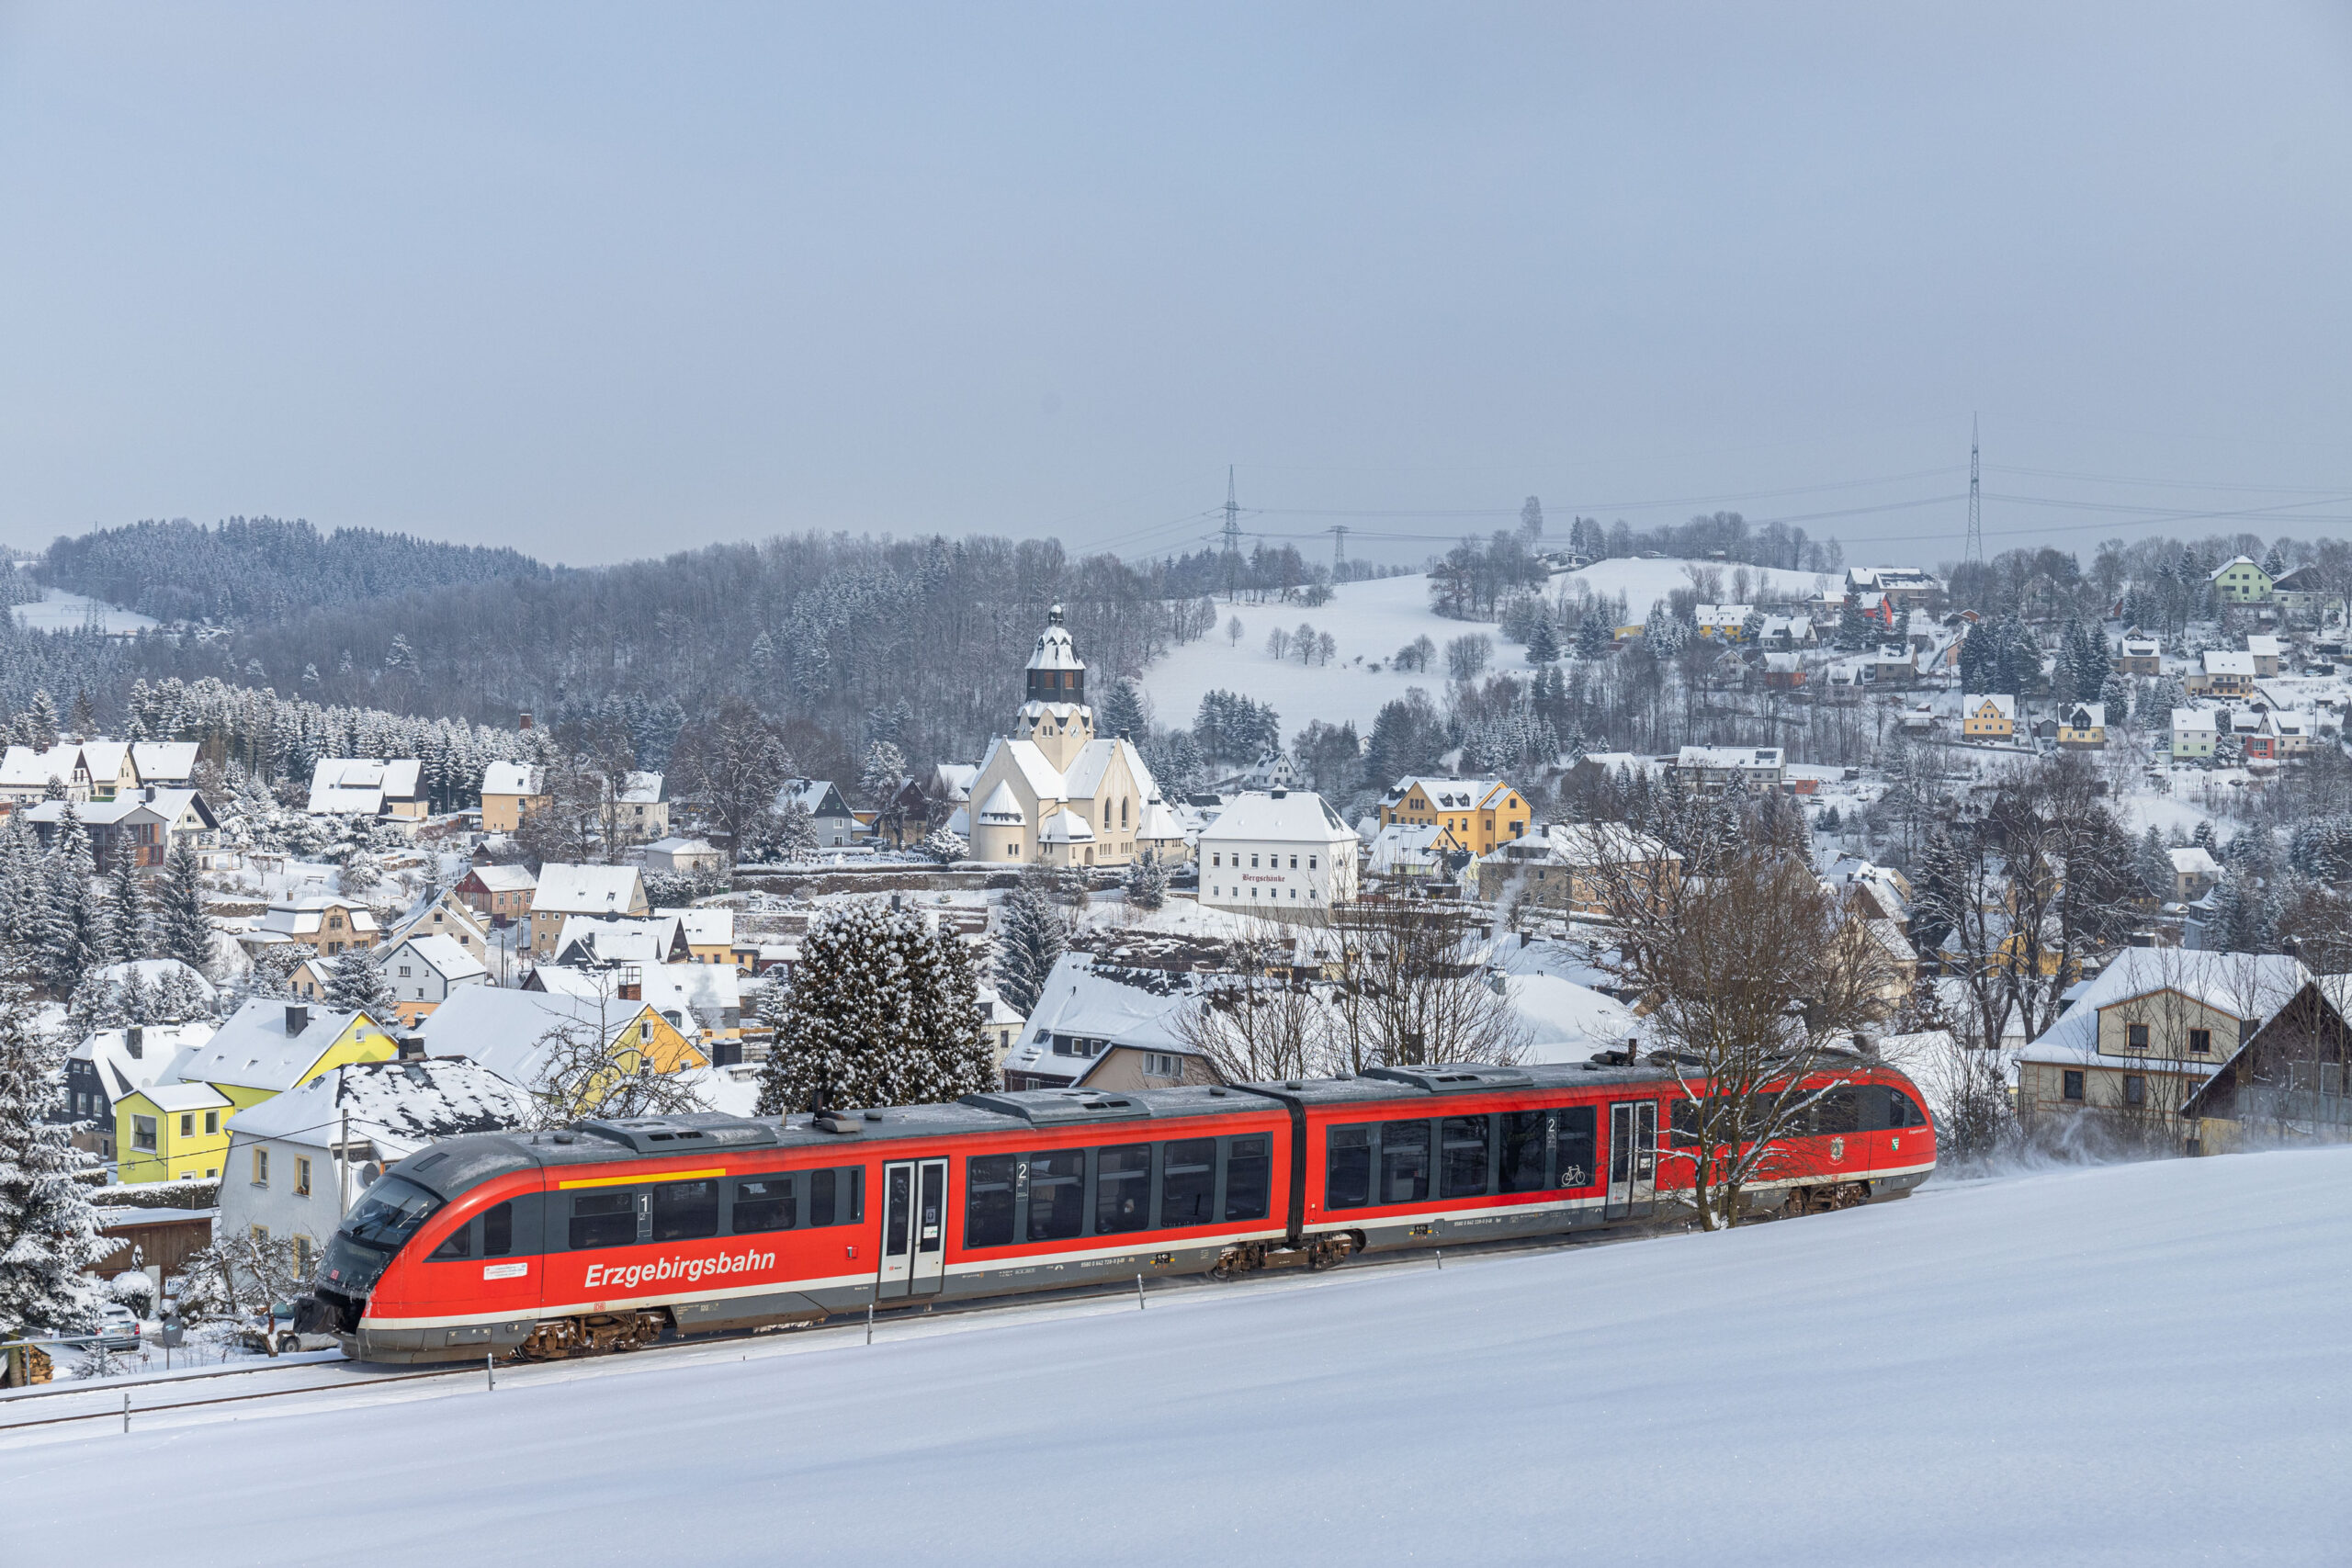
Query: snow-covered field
[
  {"x": 59, "y": 611},
  {"x": 1370, "y": 621},
  {"x": 2124, "y": 1365}
]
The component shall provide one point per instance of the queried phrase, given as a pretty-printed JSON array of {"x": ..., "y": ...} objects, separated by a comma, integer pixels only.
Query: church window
[{"x": 1123, "y": 813}]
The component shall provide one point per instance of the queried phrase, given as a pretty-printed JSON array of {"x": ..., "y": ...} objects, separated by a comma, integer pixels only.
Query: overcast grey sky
[{"x": 606, "y": 282}]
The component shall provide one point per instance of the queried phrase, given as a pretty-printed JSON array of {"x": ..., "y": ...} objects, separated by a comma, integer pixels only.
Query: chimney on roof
[
  {"x": 298, "y": 1019},
  {"x": 412, "y": 1047},
  {"x": 632, "y": 987},
  {"x": 134, "y": 1040},
  {"x": 524, "y": 722}
]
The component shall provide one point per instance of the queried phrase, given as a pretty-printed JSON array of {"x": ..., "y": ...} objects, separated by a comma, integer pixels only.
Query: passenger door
[
  {"x": 1633, "y": 1158},
  {"x": 914, "y": 1206}
]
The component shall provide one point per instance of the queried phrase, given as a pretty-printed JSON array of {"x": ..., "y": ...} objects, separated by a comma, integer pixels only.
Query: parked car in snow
[{"x": 119, "y": 1327}]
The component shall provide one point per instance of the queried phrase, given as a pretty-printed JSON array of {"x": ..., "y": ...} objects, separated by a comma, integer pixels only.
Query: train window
[
  {"x": 1347, "y": 1165},
  {"x": 899, "y": 1201},
  {"x": 988, "y": 1200},
  {"x": 1526, "y": 1138},
  {"x": 1403, "y": 1162},
  {"x": 1837, "y": 1113},
  {"x": 1682, "y": 1124},
  {"x": 458, "y": 1243},
  {"x": 603, "y": 1219},
  {"x": 1465, "y": 1145},
  {"x": 1187, "y": 1182},
  {"x": 837, "y": 1197},
  {"x": 1057, "y": 1194},
  {"x": 1248, "y": 1178},
  {"x": 766, "y": 1204},
  {"x": 685, "y": 1210},
  {"x": 1574, "y": 1143},
  {"x": 497, "y": 1229},
  {"x": 1121, "y": 1188},
  {"x": 1903, "y": 1111}
]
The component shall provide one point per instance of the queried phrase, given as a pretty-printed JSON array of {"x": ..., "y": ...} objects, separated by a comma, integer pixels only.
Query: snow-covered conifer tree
[
  {"x": 48, "y": 1232},
  {"x": 944, "y": 846},
  {"x": 1147, "y": 884},
  {"x": 126, "y": 912},
  {"x": 879, "y": 774},
  {"x": 74, "y": 934},
  {"x": 1029, "y": 941},
  {"x": 357, "y": 983},
  {"x": 889, "y": 1015},
  {"x": 181, "y": 930},
  {"x": 1122, "y": 715}
]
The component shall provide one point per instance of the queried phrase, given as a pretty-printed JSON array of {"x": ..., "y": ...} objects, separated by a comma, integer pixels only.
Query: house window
[
  {"x": 1310, "y": 863},
  {"x": 2200, "y": 1041},
  {"x": 187, "y": 1125},
  {"x": 2074, "y": 1087},
  {"x": 261, "y": 1167},
  {"x": 1294, "y": 862},
  {"x": 212, "y": 1122},
  {"x": 2135, "y": 1089},
  {"x": 302, "y": 1257},
  {"x": 301, "y": 1177},
  {"x": 1160, "y": 1066},
  {"x": 2136, "y": 1036},
  {"x": 403, "y": 971},
  {"x": 1217, "y": 858},
  {"x": 645, "y": 1032},
  {"x": 1253, "y": 862},
  {"x": 142, "y": 1133}
]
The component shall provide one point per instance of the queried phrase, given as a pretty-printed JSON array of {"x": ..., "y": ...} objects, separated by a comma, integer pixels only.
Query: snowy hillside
[
  {"x": 58, "y": 611},
  {"x": 2125, "y": 1365},
  {"x": 1370, "y": 621}
]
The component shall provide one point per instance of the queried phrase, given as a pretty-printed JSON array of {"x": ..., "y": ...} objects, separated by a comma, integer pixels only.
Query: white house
[
  {"x": 367, "y": 786},
  {"x": 683, "y": 857},
  {"x": 1284, "y": 854},
  {"x": 422, "y": 970},
  {"x": 295, "y": 1162},
  {"x": 2193, "y": 733},
  {"x": 640, "y": 808}
]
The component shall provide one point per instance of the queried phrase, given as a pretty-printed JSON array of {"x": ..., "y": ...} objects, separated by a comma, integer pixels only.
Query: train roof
[{"x": 456, "y": 1165}]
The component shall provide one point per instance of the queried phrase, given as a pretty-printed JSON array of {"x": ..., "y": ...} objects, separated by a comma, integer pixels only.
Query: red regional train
[{"x": 612, "y": 1234}]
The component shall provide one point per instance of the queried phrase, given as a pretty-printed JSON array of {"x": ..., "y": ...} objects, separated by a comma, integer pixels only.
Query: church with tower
[{"x": 1054, "y": 792}]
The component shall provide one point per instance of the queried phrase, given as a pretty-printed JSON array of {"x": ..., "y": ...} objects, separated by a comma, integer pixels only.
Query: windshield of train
[{"x": 391, "y": 1212}]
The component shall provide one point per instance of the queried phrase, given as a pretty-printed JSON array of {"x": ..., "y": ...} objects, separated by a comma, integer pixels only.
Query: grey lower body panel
[
  {"x": 464, "y": 1342},
  {"x": 1383, "y": 1234}
]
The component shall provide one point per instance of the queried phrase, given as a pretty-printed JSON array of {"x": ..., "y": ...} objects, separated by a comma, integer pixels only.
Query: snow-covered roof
[
  {"x": 2084, "y": 716},
  {"x": 2194, "y": 860},
  {"x": 445, "y": 954},
  {"x": 1066, "y": 827},
  {"x": 2190, "y": 719},
  {"x": 504, "y": 878},
  {"x": 955, "y": 778},
  {"x": 305, "y": 918},
  {"x": 398, "y": 1106},
  {"x": 1295, "y": 816},
  {"x": 809, "y": 795},
  {"x": 2234, "y": 560},
  {"x": 360, "y": 785},
  {"x": 184, "y": 1096},
  {"x": 1403, "y": 846},
  {"x": 1583, "y": 844},
  {"x": 1124, "y": 1007},
  {"x": 713, "y": 927},
  {"x": 1636, "y": 763},
  {"x": 1093, "y": 760},
  {"x": 514, "y": 778},
  {"x": 2262, "y": 647},
  {"x": 699, "y": 993},
  {"x": 504, "y": 1028},
  {"x": 640, "y": 789},
  {"x": 1972, "y": 703},
  {"x": 163, "y": 762},
  {"x": 2244, "y": 985},
  {"x": 587, "y": 889},
  {"x": 1044, "y": 780},
  {"x": 1055, "y": 649},
  {"x": 606, "y": 941},
  {"x": 1747, "y": 759},
  {"x": 152, "y": 972},
  {"x": 109, "y": 1051},
  {"x": 674, "y": 845},
  {"x": 251, "y": 1050},
  {"x": 1447, "y": 794},
  {"x": 2219, "y": 661},
  {"x": 21, "y": 767},
  {"x": 1159, "y": 823},
  {"x": 2142, "y": 647},
  {"x": 168, "y": 805},
  {"x": 1002, "y": 807}
]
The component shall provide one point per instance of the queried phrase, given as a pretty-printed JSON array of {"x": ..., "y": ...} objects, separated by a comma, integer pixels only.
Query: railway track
[{"x": 31, "y": 1416}]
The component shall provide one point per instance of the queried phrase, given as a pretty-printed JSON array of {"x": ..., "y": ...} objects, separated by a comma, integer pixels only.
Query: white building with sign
[{"x": 1283, "y": 855}]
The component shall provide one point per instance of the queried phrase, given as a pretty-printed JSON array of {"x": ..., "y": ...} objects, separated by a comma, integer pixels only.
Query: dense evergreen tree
[
  {"x": 126, "y": 912},
  {"x": 1122, "y": 716},
  {"x": 49, "y": 1234},
  {"x": 1147, "y": 882},
  {"x": 74, "y": 933},
  {"x": 884, "y": 1012},
  {"x": 1029, "y": 941},
  {"x": 355, "y": 982},
  {"x": 181, "y": 930}
]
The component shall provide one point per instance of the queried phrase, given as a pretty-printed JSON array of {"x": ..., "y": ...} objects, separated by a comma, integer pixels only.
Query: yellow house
[
  {"x": 1479, "y": 813},
  {"x": 170, "y": 1132},
  {"x": 2083, "y": 726},
  {"x": 1991, "y": 716},
  {"x": 265, "y": 1049},
  {"x": 510, "y": 791}
]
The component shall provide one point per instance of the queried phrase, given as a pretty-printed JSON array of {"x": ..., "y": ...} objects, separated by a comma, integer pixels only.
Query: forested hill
[{"x": 253, "y": 570}]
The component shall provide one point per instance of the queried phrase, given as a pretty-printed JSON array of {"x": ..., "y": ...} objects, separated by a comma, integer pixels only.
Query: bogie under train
[{"x": 612, "y": 1235}]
